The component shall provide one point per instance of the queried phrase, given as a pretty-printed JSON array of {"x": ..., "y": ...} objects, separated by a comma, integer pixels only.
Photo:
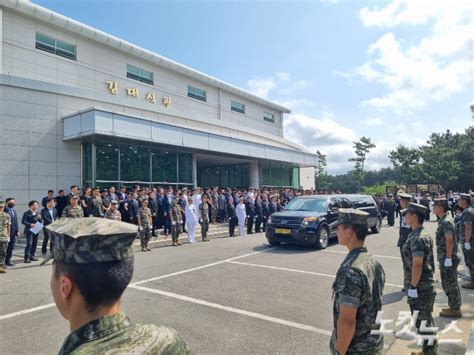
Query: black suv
[{"x": 311, "y": 220}]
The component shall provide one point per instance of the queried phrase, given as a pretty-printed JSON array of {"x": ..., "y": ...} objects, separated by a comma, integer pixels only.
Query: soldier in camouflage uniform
[
  {"x": 405, "y": 229},
  {"x": 176, "y": 218},
  {"x": 466, "y": 236},
  {"x": 5, "y": 222},
  {"x": 204, "y": 217},
  {"x": 73, "y": 210},
  {"x": 93, "y": 265},
  {"x": 113, "y": 212},
  {"x": 357, "y": 290},
  {"x": 145, "y": 224},
  {"x": 447, "y": 251},
  {"x": 419, "y": 258},
  {"x": 97, "y": 205},
  {"x": 215, "y": 205},
  {"x": 391, "y": 208}
]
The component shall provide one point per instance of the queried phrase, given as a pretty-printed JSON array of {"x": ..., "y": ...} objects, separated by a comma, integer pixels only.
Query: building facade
[{"x": 79, "y": 106}]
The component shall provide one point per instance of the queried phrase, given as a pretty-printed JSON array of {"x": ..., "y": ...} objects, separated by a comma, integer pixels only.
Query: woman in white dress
[
  {"x": 241, "y": 215},
  {"x": 191, "y": 219}
]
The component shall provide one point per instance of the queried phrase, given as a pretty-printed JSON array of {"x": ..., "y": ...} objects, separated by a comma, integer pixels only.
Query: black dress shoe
[
  {"x": 9, "y": 263},
  {"x": 33, "y": 259},
  {"x": 27, "y": 261}
]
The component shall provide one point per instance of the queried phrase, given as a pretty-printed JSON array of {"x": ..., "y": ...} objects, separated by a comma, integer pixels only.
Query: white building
[{"x": 79, "y": 106}]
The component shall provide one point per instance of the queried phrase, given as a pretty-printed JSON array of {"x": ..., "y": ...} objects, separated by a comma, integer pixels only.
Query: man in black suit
[
  {"x": 61, "y": 202},
  {"x": 45, "y": 199},
  {"x": 29, "y": 220},
  {"x": 153, "y": 206},
  {"x": 123, "y": 203},
  {"x": 14, "y": 230},
  {"x": 49, "y": 215},
  {"x": 133, "y": 209},
  {"x": 250, "y": 210}
]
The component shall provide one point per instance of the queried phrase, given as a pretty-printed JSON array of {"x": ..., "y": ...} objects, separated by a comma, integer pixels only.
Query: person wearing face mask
[
  {"x": 14, "y": 230},
  {"x": 29, "y": 220}
]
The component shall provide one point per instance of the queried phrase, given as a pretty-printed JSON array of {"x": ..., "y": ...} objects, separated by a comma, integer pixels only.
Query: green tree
[
  {"x": 322, "y": 181},
  {"x": 379, "y": 189},
  {"x": 406, "y": 160},
  {"x": 362, "y": 147},
  {"x": 465, "y": 156}
]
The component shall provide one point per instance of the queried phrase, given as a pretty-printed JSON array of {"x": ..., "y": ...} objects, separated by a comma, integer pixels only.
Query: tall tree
[
  {"x": 406, "y": 160},
  {"x": 321, "y": 177},
  {"x": 362, "y": 147}
]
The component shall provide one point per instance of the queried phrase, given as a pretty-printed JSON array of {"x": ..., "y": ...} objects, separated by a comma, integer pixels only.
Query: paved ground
[{"x": 231, "y": 295}]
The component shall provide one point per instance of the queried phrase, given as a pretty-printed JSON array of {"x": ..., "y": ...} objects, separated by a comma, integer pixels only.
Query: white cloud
[
  {"x": 430, "y": 69},
  {"x": 374, "y": 121},
  {"x": 261, "y": 87}
]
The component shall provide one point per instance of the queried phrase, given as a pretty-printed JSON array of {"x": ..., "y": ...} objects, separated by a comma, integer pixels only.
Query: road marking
[
  {"x": 377, "y": 256},
  {"x": 198, "y": 268},
  {"x": 235, "y": 310},
  {"x": 295, "y": 270},
  {"x": 25, "y": 311}
]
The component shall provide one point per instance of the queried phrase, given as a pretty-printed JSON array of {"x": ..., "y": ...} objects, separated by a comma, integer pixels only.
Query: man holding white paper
[{"x": 33, "y": 225}]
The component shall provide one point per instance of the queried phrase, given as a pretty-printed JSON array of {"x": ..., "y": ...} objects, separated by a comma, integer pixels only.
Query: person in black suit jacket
[
  {"x": 29, "y": 219},
  {"x": 133, "y": 209},
  {"x": 14, "y": 230},
  {"x": 45, "y": 199},
  {"x": 250, "y": 209},
  {"x": 49, "y": 215},
  {"x": 61, "y": 202}
]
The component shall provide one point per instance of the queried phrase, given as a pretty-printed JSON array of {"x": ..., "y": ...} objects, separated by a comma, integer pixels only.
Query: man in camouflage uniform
[
  {"x": 97, "y": 206},
  {"x": 145, "y": 223},
  {"x": 391, "y": 208},
  {"x": 73, "y": 210},
  {"x": 113, "y": 212},
  {"x": 5, "y": 223},
  {"x": 93, "y": 265},
  {"x": 176, "y": 218},
  {"x": 419, "y": 271},
  {"x": 204, "y": 217},
  {"x": 357, "y": 290},
  {"x": 214, "y": 204},
  {"x": 466, "y": 236},
  {"x": 447, "y": 250},
  {"x": 405, "y": 229}
]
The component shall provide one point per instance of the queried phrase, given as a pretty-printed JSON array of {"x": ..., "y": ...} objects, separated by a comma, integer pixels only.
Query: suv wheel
[
  {"x": 378, "y": 226},
  {"x": 323, "y": 238}
]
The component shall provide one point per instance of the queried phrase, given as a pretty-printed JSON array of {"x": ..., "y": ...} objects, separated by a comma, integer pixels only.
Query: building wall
[
  {"x": 96, "y": 64},
  {"x": 307, "y": 180}
]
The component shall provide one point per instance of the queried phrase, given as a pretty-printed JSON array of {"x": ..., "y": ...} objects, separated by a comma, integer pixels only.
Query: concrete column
[
  {"x": 1, "y": 41},
  {"x": 194, "y": 171},
  {"x": 254, "y": 174}
]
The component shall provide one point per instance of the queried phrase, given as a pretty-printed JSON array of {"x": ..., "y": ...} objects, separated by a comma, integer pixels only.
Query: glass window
[
  {"x": 269, "y": 117},
  {"x": 185, "y": 166},
  {"x": 164, "y": 166},
  {"x": 107, "y": 161},
  {"x": 197, "y": 93},
  {"x": 139, "y": 74},
  {"x": 54, "y": 46},
  {"x": 134, "y": 163},
  {"x": 237, "y": 107},
  {"x": 87, "y": 163}
]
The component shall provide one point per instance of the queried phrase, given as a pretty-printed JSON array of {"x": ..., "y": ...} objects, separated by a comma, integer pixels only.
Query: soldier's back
[{"x": 116, "y": 335}]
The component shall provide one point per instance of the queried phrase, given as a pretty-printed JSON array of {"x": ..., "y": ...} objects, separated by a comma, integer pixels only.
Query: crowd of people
[{"x": 154, "y": 210}]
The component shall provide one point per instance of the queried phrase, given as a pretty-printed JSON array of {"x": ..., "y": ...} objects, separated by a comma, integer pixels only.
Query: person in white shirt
[
  {"x": 197, "y": 198},
  {"x": 191, "y": 220},
  {"x": 241, "y": 215}
]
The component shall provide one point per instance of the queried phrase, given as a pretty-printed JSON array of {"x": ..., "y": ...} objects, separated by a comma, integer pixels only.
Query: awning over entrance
[{"x": 99, "y": 122}]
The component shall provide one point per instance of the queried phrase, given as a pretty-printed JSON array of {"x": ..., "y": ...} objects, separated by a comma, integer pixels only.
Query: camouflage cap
[
  {"x": 352, "y": 216},
  {"x": 414, "y": 207},
  {"x": 114, "y": 202},
  {"x": 91, "y": 240},
  {"x": 2, "y": 203},
  {"x": 465, "y": 196},
  {"x": 404, "y": 195},
  {"x": 74, "y": 196},
  {"x": 439, "y": 201}
]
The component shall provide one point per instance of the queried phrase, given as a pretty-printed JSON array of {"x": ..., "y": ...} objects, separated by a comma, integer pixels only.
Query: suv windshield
[{"x": 305, "y": 204}]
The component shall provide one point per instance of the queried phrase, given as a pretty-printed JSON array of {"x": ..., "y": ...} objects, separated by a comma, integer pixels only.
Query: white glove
[
  {"x": 467, "y": 246},
  {"x": 448, "y": 262},
  {"x": 140, "y": 228},
  {"x": 173, "y": 223},
  {"x": 413, "y": 293}
]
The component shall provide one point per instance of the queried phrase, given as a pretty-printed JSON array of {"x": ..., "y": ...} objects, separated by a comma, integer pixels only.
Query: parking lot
[{"x": 231, "y": 295}]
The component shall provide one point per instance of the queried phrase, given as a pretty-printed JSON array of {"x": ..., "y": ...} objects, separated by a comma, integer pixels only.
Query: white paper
[{"x": 37, "y": 228}]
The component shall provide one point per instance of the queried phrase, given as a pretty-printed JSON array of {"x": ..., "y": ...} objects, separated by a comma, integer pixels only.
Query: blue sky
[{"x": 393, "y": 70}]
